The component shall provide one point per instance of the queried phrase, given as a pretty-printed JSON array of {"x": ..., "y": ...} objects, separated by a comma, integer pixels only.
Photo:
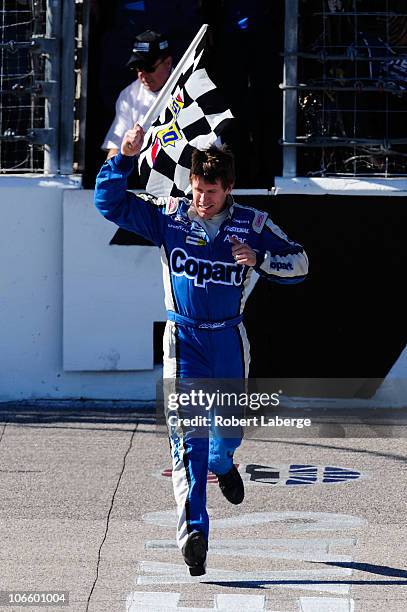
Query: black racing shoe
[
  {"x": 231, "y": 485},
  {"x": 194, "y": 552}
]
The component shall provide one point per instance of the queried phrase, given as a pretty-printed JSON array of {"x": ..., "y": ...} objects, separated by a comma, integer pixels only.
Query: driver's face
[{"x": 209, "y": 199}]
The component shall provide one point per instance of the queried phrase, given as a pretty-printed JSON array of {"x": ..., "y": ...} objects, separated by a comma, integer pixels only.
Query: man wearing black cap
[{"x": 152, "y": 62}]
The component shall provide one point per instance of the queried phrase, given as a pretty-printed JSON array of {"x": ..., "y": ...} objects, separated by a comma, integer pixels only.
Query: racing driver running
[{"x": 209, "y": 248}]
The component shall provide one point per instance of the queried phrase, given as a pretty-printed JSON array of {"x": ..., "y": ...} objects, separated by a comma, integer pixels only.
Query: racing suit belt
[{"x": 210, "y": 325}]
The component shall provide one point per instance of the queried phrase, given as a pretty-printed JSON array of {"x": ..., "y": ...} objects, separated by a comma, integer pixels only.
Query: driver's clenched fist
[{"x": 132, "y": 141}]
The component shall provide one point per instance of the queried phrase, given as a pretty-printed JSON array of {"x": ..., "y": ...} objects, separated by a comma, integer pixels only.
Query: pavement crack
[
  {"x": 2, "y": 432},
  {"x": 108, "y": 517}
]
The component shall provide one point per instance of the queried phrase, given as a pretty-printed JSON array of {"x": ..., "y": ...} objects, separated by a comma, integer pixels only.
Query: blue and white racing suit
[{"x": 205, "y": 293}]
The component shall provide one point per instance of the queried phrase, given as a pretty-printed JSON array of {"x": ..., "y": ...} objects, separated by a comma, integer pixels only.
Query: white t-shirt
[{"x": 131, "y": 107}]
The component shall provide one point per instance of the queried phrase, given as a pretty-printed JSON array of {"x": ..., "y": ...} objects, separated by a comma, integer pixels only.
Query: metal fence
[
  {"x": 345, "y": 88},
  {"x": 40, "y": 85}
]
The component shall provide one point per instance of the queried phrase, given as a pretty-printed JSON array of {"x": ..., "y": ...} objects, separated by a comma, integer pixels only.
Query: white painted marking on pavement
[
  {"x": 297, "y": 522},
  {"x": 296, "y": 550},
  {"x": 142, "y": 601},
  {"x": 329, "y": 581},
  {"x": 170, "y": 573},
  {"x": 326, "y": 604}
]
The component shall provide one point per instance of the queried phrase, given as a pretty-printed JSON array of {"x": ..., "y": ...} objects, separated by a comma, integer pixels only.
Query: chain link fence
[
  {"x": 348, "y": 68},
  {"x": 41, "y": 85}
]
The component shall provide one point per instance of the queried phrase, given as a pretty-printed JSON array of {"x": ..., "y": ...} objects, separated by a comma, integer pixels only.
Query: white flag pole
[{"x": 162, "y": 98}]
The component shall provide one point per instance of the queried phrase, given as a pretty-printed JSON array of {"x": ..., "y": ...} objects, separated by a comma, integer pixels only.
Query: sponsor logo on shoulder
[
  {"x": 172, "y": 205},
  {"x": 259, "y": 220}
]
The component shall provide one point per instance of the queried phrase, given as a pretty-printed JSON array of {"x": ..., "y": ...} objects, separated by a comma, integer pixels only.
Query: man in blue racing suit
[{"x": 209, "y": 249}]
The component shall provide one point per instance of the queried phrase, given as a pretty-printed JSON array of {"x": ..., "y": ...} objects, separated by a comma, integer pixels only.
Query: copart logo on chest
[{"x": 203, "y": 271}]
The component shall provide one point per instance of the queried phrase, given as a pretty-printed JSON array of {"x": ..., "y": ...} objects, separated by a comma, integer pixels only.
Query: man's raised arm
[{"x": 138, "y": 214}]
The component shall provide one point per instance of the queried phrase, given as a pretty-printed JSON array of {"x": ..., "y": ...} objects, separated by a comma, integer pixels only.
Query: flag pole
[{"x": 162, "y": 98}]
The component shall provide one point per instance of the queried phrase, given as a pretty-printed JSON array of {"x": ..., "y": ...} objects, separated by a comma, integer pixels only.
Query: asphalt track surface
[{"x": 87, "y": 508}]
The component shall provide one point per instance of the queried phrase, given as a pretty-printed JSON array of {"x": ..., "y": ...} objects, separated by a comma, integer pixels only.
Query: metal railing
[
  {"x": 344, "y": 88},
  {"x": 41, "y": 43}
]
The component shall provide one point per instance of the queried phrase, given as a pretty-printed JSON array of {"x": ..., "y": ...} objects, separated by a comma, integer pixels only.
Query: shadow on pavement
[
  {"x": 29, "y": 413},
  {"x": 382, "y": 570},
  {"x": 258, "y": 584},
  {"x": 363, "y": 451}
]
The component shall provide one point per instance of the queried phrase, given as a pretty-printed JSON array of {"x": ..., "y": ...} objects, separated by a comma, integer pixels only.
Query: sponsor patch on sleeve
[
  {"x": 172, "y": 205},
  {"x": 259, "y": 220}
]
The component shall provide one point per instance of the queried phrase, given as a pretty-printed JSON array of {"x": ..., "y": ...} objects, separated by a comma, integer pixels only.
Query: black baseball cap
[{"x": 148, "y": 47}]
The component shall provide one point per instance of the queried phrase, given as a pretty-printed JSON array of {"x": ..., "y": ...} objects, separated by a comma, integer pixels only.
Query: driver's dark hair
[{"x": 214, "y": 163}]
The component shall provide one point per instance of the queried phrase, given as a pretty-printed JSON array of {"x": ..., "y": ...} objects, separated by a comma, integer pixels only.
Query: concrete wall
[
  {"x": 112, "y": 294},
  {"x": 32, "y": 300},
  {"x": 77, "y": 314}
]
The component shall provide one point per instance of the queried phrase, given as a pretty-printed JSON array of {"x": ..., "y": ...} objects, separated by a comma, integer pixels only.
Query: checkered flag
[{"x": 191, "y": 115}]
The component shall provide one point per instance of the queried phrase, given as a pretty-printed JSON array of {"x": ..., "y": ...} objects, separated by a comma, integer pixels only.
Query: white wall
[
  {"x": 31, "y": 298},
  {"x": 104, "y": 311},
  {"x": 112, "y": 294}
]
